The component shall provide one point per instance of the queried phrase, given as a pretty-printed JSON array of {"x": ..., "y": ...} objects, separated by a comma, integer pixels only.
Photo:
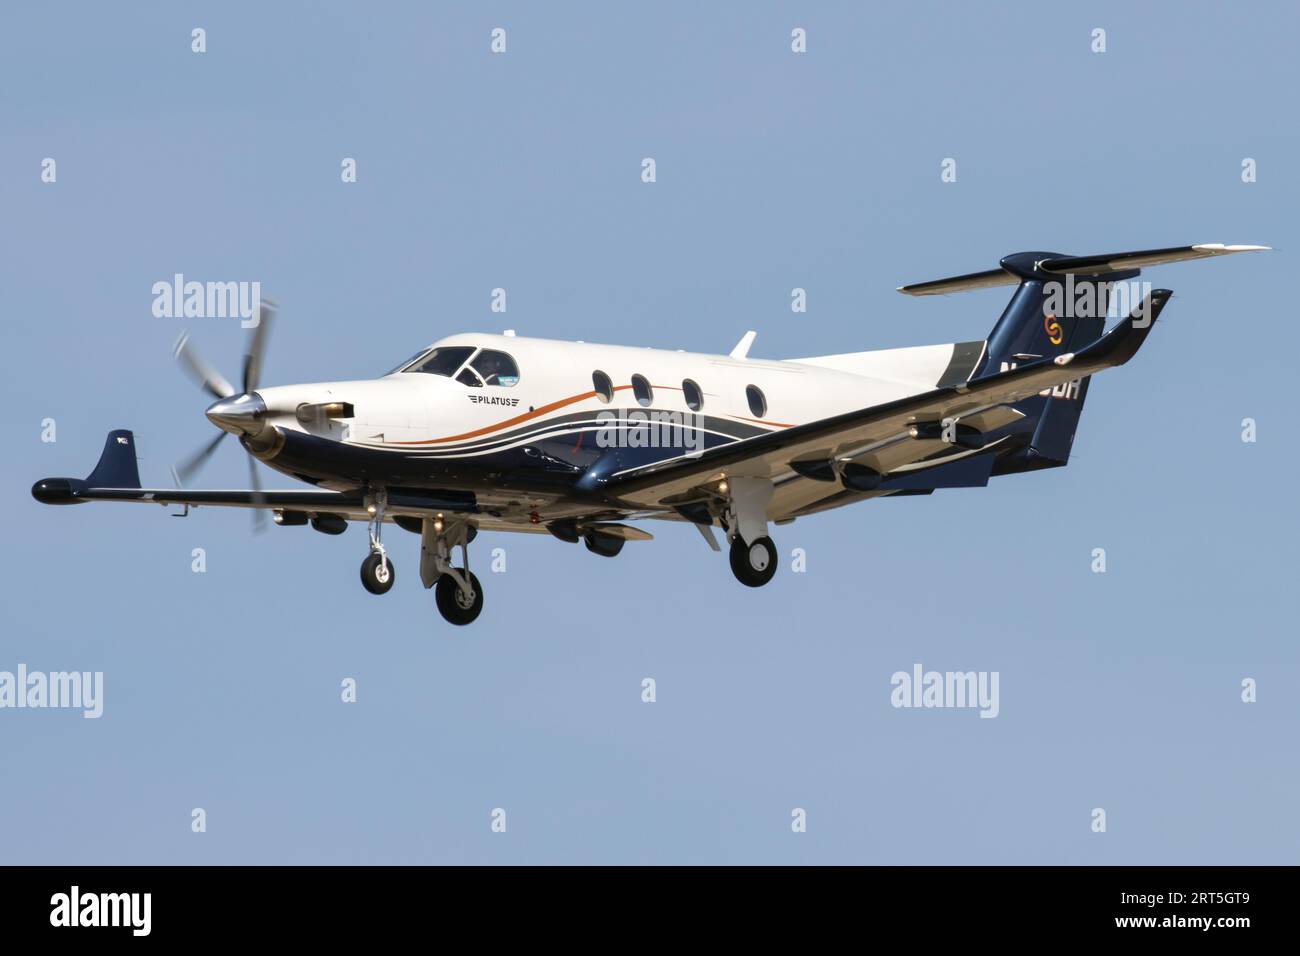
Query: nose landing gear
[{"x": 377, "y": 572}]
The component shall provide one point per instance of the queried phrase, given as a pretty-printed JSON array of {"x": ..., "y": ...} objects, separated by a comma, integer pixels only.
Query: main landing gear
[
  {"x": 753, "y": 564},
  {"x": 744, "y": 515},
  {"x": 457, "y": 591}
]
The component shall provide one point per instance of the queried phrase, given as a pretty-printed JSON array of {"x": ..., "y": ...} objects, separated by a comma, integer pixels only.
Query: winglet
[
  {"x": 117, "y": 467},
  {"x": 742, "y": 347}
]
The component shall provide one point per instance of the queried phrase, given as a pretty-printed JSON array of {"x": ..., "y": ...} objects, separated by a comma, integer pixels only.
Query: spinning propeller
[{"x": 233, "y": 412}]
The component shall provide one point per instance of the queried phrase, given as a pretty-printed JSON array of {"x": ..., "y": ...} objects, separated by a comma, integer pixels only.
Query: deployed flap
[{"x": 993, "y": 419}]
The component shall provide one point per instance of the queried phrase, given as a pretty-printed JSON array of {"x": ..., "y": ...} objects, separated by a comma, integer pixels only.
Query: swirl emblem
[{"x": 1055, "y": 334}]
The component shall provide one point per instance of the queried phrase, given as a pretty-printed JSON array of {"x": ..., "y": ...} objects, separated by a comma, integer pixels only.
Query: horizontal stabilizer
[
  {"x": 1015, "y": 268},
  {"x": 1119, "y": 261},
  {"x": 973, "y": 280}
]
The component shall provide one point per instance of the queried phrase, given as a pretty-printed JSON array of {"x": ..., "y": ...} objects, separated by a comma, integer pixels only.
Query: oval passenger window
[
  {"x": 694, "y": 397},
  {"x": 641, "y": 389}
]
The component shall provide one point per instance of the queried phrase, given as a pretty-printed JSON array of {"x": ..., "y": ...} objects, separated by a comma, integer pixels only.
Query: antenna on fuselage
[{"x": 742, "y": 347}]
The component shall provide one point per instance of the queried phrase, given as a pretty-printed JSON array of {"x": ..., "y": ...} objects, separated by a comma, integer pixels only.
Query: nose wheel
[{"x": 377, "y": 573}]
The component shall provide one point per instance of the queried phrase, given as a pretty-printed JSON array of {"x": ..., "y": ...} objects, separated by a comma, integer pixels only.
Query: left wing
[
  {"x": 804, "y": 449},
  {"x": 116, "y": 478}
]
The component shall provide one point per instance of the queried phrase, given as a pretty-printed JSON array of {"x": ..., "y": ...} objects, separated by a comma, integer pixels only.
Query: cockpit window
[
  {"x": 443, "y": 361},
  {"x": 468, "y": 377},
  {"x": 496, "y": 368},
  {"x": 411, "y": 361}
]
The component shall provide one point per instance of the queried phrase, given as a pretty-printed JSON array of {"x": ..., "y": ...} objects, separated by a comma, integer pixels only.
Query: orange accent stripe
[
  {"x": 547, "y": 409},
  {"x": 508, "y": 422}
]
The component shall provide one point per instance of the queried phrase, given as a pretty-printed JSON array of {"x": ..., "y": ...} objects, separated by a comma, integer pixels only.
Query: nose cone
[{"x": 241, "y": 415}]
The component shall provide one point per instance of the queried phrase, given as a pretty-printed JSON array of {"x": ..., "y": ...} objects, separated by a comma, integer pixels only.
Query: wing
[
  {"x": 116, "y": 478},
  {"x": 908, "y": 426}
]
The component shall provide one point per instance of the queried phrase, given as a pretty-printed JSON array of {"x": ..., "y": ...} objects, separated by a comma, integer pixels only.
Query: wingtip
[{"x": 1218, "y": 248}]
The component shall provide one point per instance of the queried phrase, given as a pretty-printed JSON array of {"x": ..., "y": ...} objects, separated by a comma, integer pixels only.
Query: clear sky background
[{"x": 1118, "y": 690}]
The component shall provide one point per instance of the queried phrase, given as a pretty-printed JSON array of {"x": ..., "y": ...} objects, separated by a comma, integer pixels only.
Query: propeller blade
[
  {"x": 257, "y": 346},
  {"x": 259, "y": 499},
  {"x": 208, "y": 377},
  {"x": 189, "y": 467}
]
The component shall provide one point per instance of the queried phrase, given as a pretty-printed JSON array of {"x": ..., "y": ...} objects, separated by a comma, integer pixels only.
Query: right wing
[{"x": 850, "y": 435}]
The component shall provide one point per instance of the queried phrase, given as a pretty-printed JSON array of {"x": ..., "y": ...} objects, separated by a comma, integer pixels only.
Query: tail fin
[
  {"x": 1054, "y": 415},
  {"x": 117, "y": 466},
  {"x": 1059, "y": 306}
]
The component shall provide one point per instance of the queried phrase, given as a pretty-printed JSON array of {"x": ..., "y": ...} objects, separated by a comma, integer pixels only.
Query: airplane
[{"x": 481, "y": 432}]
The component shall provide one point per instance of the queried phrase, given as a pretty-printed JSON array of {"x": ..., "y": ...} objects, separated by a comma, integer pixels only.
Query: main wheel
[
  {"x": 377, "y": 573},
  {"x": 605, "y": 545},
  {"x": 455, "y": 605},
  {"x": 753, "y": 564}
]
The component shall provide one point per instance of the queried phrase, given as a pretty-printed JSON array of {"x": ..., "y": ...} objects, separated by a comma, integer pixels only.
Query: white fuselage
[{"x": 412, "y": 412}]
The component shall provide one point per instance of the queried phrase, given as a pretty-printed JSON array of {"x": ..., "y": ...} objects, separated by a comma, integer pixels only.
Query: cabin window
[
  {"x": 442, "y": 361},
  {"x": 496, "y": 368},
  {"x": 694, "y": 397},
  {"x": 642, "y": 390},
  {"x": 603, "y": 386},
  {"x": 757, "y": 402}
]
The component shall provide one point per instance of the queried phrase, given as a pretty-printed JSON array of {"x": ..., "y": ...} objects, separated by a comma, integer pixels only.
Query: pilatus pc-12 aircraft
[{"x": 504, "y": 433}]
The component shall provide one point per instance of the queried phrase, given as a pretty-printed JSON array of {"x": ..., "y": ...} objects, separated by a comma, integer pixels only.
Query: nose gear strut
[{"x": 377, "y": 572}]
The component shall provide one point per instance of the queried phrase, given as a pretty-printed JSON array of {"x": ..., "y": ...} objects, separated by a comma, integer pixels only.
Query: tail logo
[{"x": 1055, "y": 334}]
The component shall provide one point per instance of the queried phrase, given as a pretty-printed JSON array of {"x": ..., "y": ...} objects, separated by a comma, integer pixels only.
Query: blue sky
[{"x": 1118, "y": 690}]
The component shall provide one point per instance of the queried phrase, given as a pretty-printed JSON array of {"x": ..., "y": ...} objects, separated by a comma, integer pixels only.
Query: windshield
[
  {"x": 405, "y": 362},
  {"x": 443, "y": 361}
]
